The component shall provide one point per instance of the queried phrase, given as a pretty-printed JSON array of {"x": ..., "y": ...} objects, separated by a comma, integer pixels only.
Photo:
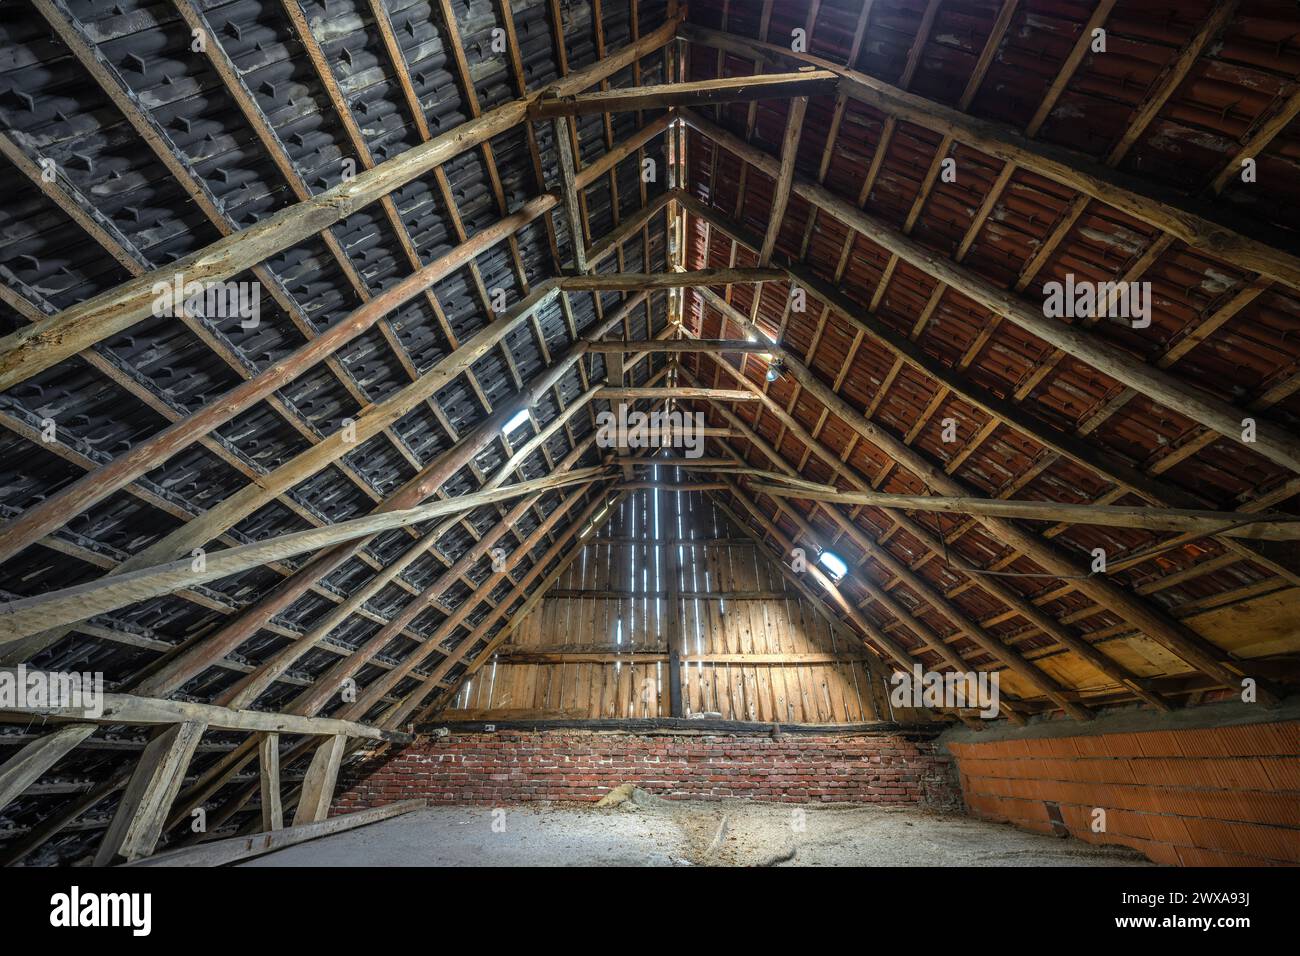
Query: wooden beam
[
  {"x": 146, "y": 711},
  {"x": 234, "y": 849},
  {"x": 318, "y": 786},
  {"x": 565, "y": 136},
  {"x": 1072, "y": 447},
  {"x": 733, "y": 89},
  {"x": 1174, "y": 637},
  {"x": 1273, "y": 526},
  {"x": 869, "y": 325},
  {"x": 268, "y": 751},
  {"x": 1273, "y": 442},
  {"x": 31, "y": 762},
  {"x": 369, "y": 422},
  {"x": 138, "y": 822},
  {"x": 602, "y": 594},
  {"x": 665, "y": 486},
  {"x": 33, "y": 615},
  {"x": 1258, "y": 139},
  {"x": 1186, "y": 220},
  {"x": 905, "y": 574},
  {"x": 526, "y": 656},
  {"x": 678, "y": 345},
  {"x": 44, "y": 343},
  {"x": 1171, "y": 77},
  {"x": 100, "y": 482},
  {"x": 629, "y": 281},
  {"x": 784, "y": 177},
  {"x": 672, "y": 391}
]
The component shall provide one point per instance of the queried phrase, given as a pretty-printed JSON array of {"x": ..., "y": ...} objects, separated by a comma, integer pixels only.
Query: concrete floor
[{"x": 688, "y": 833}]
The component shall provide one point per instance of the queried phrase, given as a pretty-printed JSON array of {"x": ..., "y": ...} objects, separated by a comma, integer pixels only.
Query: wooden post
[
  {"x": 675, "y": 707},
  {"x": 269, "y": 779},
  {"x": 562, "y": 129},
  {"x": 318, "y": 785}
]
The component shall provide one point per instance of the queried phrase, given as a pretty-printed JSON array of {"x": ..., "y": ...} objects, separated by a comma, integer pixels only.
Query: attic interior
[{"x": 958, "y": 343}]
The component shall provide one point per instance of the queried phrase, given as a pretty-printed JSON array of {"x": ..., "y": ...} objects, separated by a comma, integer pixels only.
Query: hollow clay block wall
[
  {"x": 513, "y": 767},
  {"x": 1224, "y": 796}
]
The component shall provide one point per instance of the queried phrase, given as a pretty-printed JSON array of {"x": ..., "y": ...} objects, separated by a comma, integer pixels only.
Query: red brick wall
[
  {"x": 1222, "y": 796},
  {"x": 518, "y": 766}
]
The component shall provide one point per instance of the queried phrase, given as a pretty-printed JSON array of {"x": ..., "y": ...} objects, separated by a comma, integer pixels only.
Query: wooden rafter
[
  {"x": 867, "y": 326},
  {"x": 1175, "y": 637},
  {"x": 1278, "y": 445},
  {"x": 68, "y": 605},
  {"x": 1188, "y": 221},
  {"x": 541, "y": 207},
  {"x": 904, "y": 574},
  {"x": 1272, "y": 526},
  {"x": 697, "y": 93},
  {"x": 24, "y": 353}
]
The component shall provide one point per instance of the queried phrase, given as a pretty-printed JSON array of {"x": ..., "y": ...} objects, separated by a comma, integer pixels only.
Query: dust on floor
[{"x": 648, "y": 831}]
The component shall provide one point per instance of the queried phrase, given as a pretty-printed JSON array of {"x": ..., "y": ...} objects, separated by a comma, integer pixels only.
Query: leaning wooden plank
[
  {"x": 318, "y": 785},
  {"x": 726, "y": 89},
  {"x": 220, "y": 852},
  {"x": 140, "y": 815},
  {"x": 130, "y": 709},
  {"x": 26, "y": 767},
  {"x": 32, "y": 615},
  {"x": 44, "y": 343}
]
